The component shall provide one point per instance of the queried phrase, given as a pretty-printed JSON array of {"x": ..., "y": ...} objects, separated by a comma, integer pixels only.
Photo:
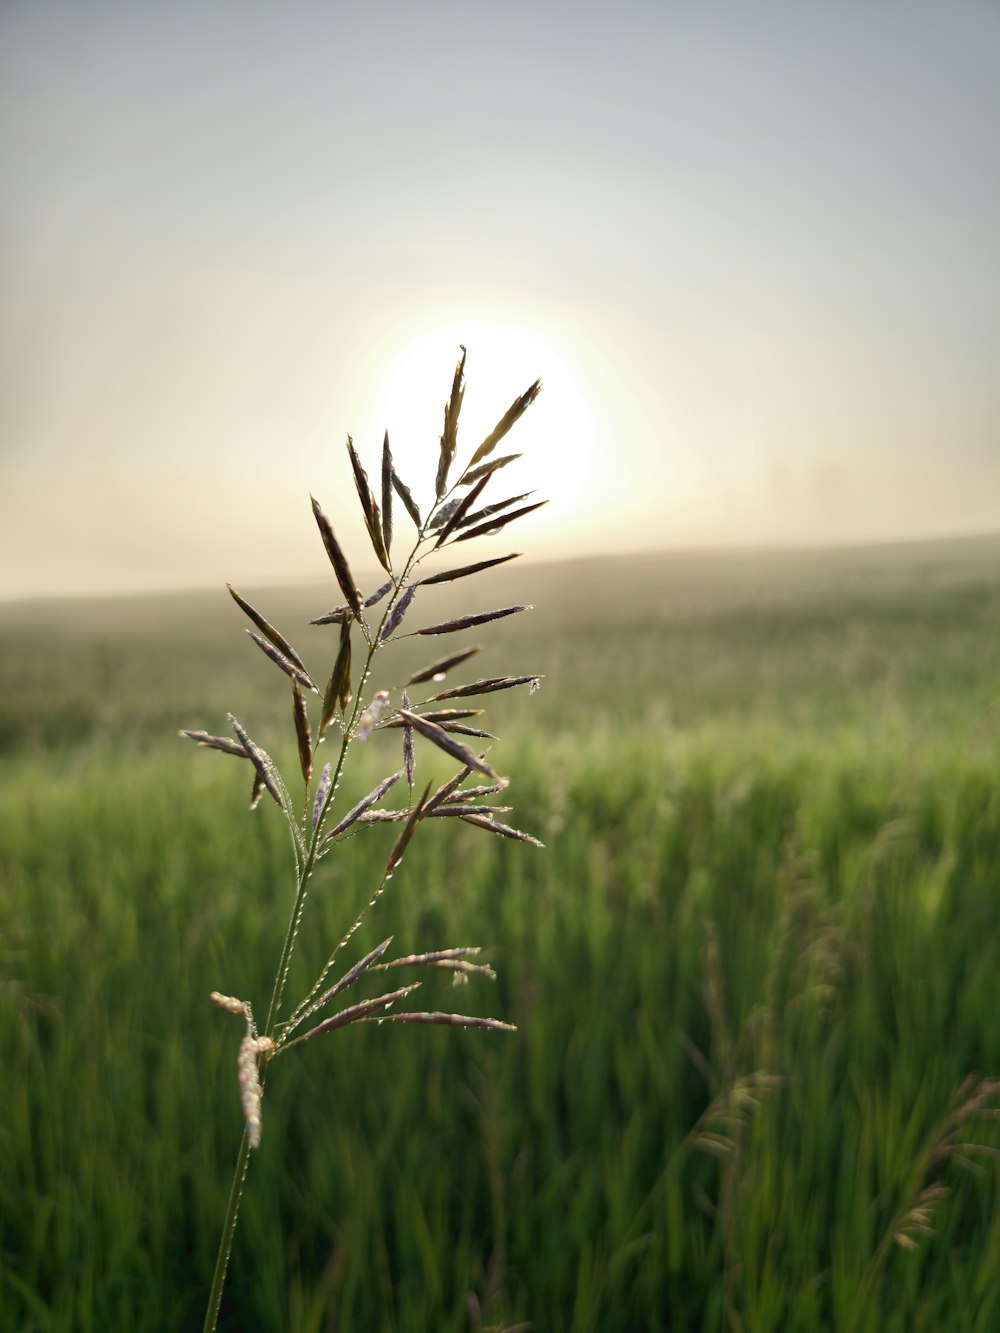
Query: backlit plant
[{"x": 348, "y": 710}]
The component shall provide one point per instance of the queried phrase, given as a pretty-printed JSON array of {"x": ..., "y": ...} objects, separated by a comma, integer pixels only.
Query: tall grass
[{"x": 723, "y": 896}]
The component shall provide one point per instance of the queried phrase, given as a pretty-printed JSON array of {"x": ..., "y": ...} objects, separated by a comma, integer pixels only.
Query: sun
[{"x": 555, "y": 436}]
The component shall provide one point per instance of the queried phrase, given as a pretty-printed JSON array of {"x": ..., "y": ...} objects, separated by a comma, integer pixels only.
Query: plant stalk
[{"x": 284, "y": 964}]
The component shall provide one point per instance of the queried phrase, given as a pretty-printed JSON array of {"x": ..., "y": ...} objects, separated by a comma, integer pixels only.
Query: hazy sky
[{"x": 752, "y": 249}]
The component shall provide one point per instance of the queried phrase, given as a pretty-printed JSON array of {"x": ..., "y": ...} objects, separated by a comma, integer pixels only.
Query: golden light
[{"x": 555, "y": 437}]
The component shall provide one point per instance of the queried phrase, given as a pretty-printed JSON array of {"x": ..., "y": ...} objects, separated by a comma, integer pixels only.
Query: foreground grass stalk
[
  {"x": 228, "y": 1236},
  {"x": 452, "y": 518}
]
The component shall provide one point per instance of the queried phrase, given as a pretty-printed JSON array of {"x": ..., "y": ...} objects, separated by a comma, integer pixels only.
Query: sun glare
[{"x": 555, "y": 437}]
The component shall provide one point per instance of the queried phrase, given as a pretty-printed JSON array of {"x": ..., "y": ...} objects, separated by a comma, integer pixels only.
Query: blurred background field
[{"x": 751, "y": 970}]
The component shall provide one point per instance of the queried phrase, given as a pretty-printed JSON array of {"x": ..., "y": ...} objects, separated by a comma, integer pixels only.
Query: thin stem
[
  {"x": 226, "y": 1239},
  {"x": 304, "y": 873}
]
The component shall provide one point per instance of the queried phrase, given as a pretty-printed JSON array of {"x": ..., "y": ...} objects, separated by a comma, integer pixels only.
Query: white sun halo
[{"x": 555, "y": 436}]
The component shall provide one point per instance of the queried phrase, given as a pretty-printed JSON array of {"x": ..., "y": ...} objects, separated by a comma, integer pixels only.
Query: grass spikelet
[
  {"x": 228, "y": 1003},
  {"x": 449, "y": 435},
  {"x": 409, "y": 504},
  {"x": 224, "y": 743},
  {"x": 460, "y": 510},
  {"x": 260, "y": 760},
  {"x": 433, "y": 1019},
  {"x": 322, "y": 792},
  {"x": 397, "y": 613},
  {"x": 484, "y": 821},
  {"x": 436, "y": 671},
  {"x": 487, "y": 511},
  {"x": 466, "y": 622},
  {"x": 280, "y": 660},
  {"x": 268, "y": 630},
  {"x": 486, "y": 685},
  {"x": 355, "y": 1012},
  {"x": 441, "y": 716},
  {"x": 379, "y": 593},
  {"x": 494, "y": 465},
  {"x": 436, "y": 734},
  {"x": 338, "y": 560},
  {"x": 302, "y": 735},
  {"x": 364, "y": 804},
  {"x": 251, "y": 1092},
  {"x": 513, "y": 414},
  {"x": 449, "y": 575},
  {"x": 409, "y": 761},
  {"x": 338, "y": 689},
  {"x": 372, "y": 715},
  {"x": 494, "y": 525},
  {"x": 369, "y": 507},
  {"x": 387, "y": 495},
  {"x": 348, "y": 979},
  {"x": 402, "y": 842},
  {"x": 471, "y": 793},
  {"x": 336, "y": 616}
]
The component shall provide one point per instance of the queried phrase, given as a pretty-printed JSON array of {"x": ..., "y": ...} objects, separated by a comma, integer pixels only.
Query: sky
[{"x": 753, "y": 251}]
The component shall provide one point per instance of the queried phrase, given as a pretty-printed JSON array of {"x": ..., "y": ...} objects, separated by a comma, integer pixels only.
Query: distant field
[{"x": 750, "y": 971}]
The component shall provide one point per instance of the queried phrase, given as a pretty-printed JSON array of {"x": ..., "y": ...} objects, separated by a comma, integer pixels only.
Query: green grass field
[{"x": 751, "y": 971}]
